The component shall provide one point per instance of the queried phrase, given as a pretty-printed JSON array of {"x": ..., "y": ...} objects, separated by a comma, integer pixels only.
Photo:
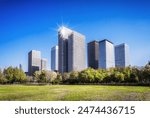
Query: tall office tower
[
  {"x": 93, "y": 52},
  {"x": 71, "y": 50},
  {"x": 43, "y": 64},
  {"x": 34, "y": 61},
  {"x": 122, "y": 55},
  {"x": 20, "y": 66},
  {"x": 106, "y": 54},
  {"x": 54, "y": 58}
]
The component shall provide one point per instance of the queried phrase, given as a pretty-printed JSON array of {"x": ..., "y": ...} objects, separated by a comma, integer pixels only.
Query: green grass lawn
[{"x": 73, "y": 93}]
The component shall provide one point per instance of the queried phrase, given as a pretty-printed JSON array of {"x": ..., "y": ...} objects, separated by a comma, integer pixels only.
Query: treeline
[
  {"x": 88, "y": 76},
  {"x": 15, "y": 75},
  {"x": 128, "y": 75}
]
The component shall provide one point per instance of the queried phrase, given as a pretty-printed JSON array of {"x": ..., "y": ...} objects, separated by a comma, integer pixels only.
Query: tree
[
  {"x": 19, "y": 75},
  {"x": 58, "y": 80},
  {"x": 36, "y": 76},
  {"x": 127, "y": 73},
  {"x": 83, "y": 76},
  {"x": 118, "y": 77},
  {"x": 9, "y": 74},
  {"x": 45, "y": 76},
  {"x": 73, "y": 77},
  {"x": 87, "y": 75},
  {"x": 30, "y": 78},
  {"x": 3, "y": 80},
  {"x": 99, "y": 75},
  {"x": 40, "y": 76},
  {"x": 65, "y": 76},
  {"x": 50, "y": 76},
  {"x": 14, "y": 75},
  {"x": 134, "y": 76},
  {"x": 145, "y": 72}
]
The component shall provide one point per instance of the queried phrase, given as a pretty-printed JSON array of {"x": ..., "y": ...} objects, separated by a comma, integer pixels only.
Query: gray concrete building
[
  {"x": 122, "y": 55},
  {"x": 106, "y": 54},
  {"x": 71, "y": 50},
  {"x": 93, "y": 54},
  {"x": 54, "y": 58},
  {"x": 34, "y": 61},
  {"x": 43, "y": 64}
]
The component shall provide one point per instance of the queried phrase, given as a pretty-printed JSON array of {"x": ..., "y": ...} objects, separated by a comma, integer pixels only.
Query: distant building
[
  {"x": 43, "y": 64},
  {"x": 20, "y": 66},
  {"x": 93, "y": 54},
  {"x": 122, "y": 55},
  {"x": 34, "y": 61},
  {"x": 54, "y": 58},
  {"x": 71, "y": 50},
  {"x": 106, "y": 54}
]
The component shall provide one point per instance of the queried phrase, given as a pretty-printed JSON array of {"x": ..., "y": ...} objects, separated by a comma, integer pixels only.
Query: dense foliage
[
  {"x": 113, "y": 75},
  {"x": 129, "y": 75},
  {"x": 45, "y": 76},
  {"x": 12, "y": 75}
]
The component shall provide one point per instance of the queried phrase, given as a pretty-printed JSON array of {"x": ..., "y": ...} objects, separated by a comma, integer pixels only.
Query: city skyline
[
  {"x": 27, "y": 25},
  {"x": 70, "y": 56}
]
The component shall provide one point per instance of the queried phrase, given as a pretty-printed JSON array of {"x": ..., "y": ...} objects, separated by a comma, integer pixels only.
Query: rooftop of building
[
  {"x": 54, "y": 47},
  {"x": 122, "y": 44},
  {"x": 94, "y": 41},
  {"x": 106, "y": 40},
  {"x": 67, "y": 31},
  {"x": 37, "y": 51}
]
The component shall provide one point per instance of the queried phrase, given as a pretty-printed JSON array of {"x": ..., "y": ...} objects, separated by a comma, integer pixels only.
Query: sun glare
[{"x": 62, "y": 31}]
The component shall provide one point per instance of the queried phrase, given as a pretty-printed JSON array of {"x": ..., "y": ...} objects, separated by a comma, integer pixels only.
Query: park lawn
[{"x": 73, "y": 93}]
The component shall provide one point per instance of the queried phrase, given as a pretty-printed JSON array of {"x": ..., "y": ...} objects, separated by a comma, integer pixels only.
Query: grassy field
[{"x": 73, "y": 93}]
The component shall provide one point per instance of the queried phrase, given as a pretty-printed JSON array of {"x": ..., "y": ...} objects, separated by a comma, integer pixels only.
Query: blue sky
[{"x": 32, "y": 24}]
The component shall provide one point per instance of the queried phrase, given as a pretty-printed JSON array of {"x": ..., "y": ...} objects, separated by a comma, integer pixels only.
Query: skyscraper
[
  {"x": 20, "y": 66},
  {"x": 71, "y": 50},
  {"x": 106, "y": 54},
  {"x": 43, "y": 64},
  {"x": 34, "y": 61},
  {"x": 54, "y": 58},
  {"x": 122, "y": 55},
  {"x": 93, "y": 52}
]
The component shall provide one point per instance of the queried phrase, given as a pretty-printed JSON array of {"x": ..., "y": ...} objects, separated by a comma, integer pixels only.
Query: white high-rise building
[
  {"x": 106, "y": 54},
  {"x": 122, "y": 55},
  {"x": 54, "y": 58},
  {"x": 71, "y": 50}
]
